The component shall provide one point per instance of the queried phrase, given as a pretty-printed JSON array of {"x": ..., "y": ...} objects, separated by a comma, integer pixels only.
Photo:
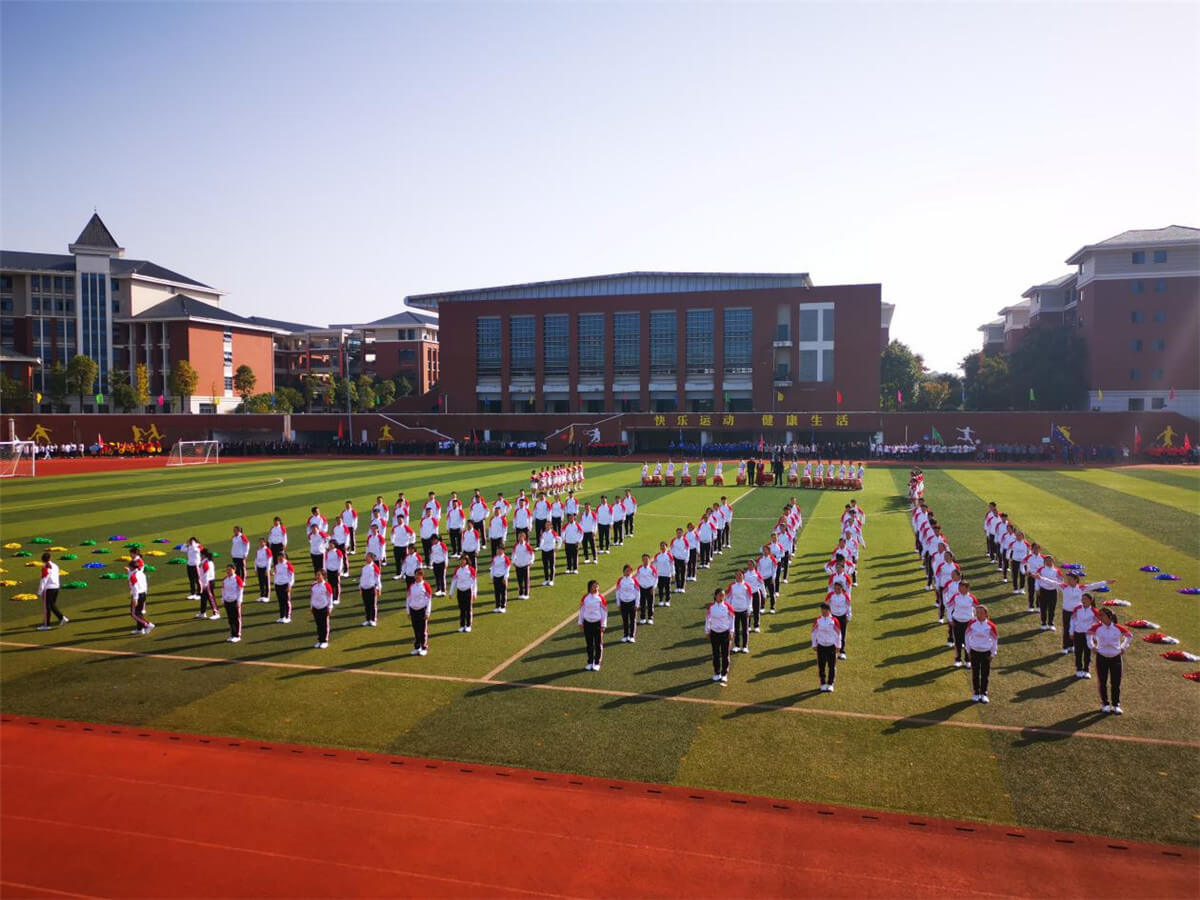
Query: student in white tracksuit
[
  {"x": 593, "y": 619},
  {"x": 719, "y": 618},
  {"x": 283, "y": 575},
  {"x": 1072, "y": 598},
  {"x": 1083, "y": 620},
  {"x": 1109, "y": 640},
  {"x": 982, "y": 642},
  {"x": 522, "y": 560},
  {"x": 827, "y": 641},
  {"x": 838, "y": 602},
  {"x": 646, "y": 579},
  {"x": 627, "y": 598},
  {"x": 500, "y": 566},
  {"x": 262, "y": 568},
  {"x": 465, "y": 585},
  {"x": 370, "y": 582},
  {"x": 738, "y": 596},
  {"x": 320, "y": 602},
  {"x": 547, "y": 543}
]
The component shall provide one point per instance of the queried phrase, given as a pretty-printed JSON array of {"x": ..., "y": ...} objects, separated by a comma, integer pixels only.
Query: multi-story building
[
  {"x": 404, "y": 343},
  {"x": 1139, "y": 309},
  {"x": 993, "y": 335},
  {"x": 122, "y": 312},
  {"x": 1016, "y": 322},
  {"x": 1053, "y": 302},
  {"x": 662, "y": 342}
]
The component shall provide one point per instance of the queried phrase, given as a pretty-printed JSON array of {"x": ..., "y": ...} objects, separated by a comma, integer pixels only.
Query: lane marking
[
  {"x": 575, "y": 615},
  {"x": 625, "y": 695},
  {"x": 209, "y": 845},
  {"x": 47, "y": 890}
]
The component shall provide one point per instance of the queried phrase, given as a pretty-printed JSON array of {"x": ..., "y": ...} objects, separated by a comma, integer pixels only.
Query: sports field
[{"x": 899, "y": 734}]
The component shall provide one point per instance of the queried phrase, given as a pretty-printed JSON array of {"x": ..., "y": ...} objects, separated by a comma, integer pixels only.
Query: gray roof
[
  {"x": 293, "y": 327},
  {"x": 1172, "y": 234},
  {"x": 65, "y": 262},
  {"x": 1052, "y": 284},
  {"x": 180, "y": 306},
  {"x": 407, "y": 317},
  {"x": 96, "y": 234},
  {"x": 622, "y": 283}
]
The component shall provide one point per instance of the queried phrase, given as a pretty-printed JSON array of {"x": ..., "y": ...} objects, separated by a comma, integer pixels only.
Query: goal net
[
  {"x": 17, "y": 459},
  {"x": 194, "y": 453}
]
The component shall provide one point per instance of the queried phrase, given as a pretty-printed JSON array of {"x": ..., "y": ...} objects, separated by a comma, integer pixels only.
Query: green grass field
[{"x": 653, "y": 713}]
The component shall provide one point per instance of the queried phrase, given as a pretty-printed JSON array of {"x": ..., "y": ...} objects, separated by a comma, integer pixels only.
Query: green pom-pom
[
  {"x": 69, "y": 556},
  {"x": 134, "y": 545},
  {"x": 22, "y": 553},
  {"x": 215, "y": 555},
  {"x": 177, "y": 561},
  {"x": 75, "y": 584},
  {"x": 110, "y": 575},
  {"x": 102, "y": 550},
  {"x": 151, "y": 568},
  {"x": 87, "y": 543},
  {"x": 40, "y": 540}
]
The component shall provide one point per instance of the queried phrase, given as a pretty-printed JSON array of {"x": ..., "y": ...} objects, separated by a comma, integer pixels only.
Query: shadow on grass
[
  {"x": 906, "y": 658},
  {"x": 781, "y": 671},
  {"x": 770, "y": 706},
  {"x": 1068, "y": 728},
  {"x": 926, "y": 720},
  {"x": 918, "y": 680},
  {"x": 1042, "y": 691}
]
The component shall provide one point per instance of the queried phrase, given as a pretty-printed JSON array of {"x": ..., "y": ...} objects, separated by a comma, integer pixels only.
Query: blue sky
[{"x": 317, "y": 160}]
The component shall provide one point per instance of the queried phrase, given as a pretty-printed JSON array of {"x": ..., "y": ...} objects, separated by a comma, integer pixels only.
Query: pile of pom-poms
[
  {"x": 162, "y": 540},
  {"x": 32, "y": 564},
  {"x": 69, "y": 556},
  {"x": 1188, "y": 590},
  {"x": 95, "y": 565},
  {"x": 134, "y": 545},
  {"x": 181, "y": 546},
  {"x": 1179, "y": 656},
  {"x": 41, "y": 540},
  {"x": 102, "y": 550},
  {"x": 88, "y": 543},
  {"x": 177, "y": 561},
  {"x": 111, "y": 575},
  {"x": 1157, "y": 637},
  {"x": 1166, "y": 577},
  {"x": 117, "y": 537},
  {"x": 1141, "y": 623},
  {"x": 8, "y": 582},
  {"x": 155, "y": 553},
  {"x": 1192, "y": 676},
  {"x": 58, "y": 549},
  {"x": 1103, "y": 589},
  {"x": 150, "y": 568},
  {"x": 23, "y": 553},
  {"x": 12, "y": 545},
  {"x": 1149, "y": 569},
  {"x": 75, "y": 585},
  {"x": 1116, "y": 602},
  {"x": 23, "y": 597}
]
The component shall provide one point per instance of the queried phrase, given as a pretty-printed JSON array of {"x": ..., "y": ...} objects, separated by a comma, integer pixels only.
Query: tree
[
  {"x": 938, "y": 390},
  {"x": 1051, "y": 360},
  {"x": 121, "y": 390},
  {"x": 341, "y": 388},
  {"x": 256, "y": 403},
  {"x": 365, "y": 388},
  {"x": 385, "y": 391},
  {"x": 141, "y": 385},
  {"x": 403, "y": 385},
  {"x": 13, "y": 394},
  {"x": 58, "y": 387},
  {"x": 310, "y": 386},
  {"x": 986, "y": 381},
  {"x": 899, "y": 373},
  {"x": 288, "y": 399},
  {"x": 82, "y": 372},
  {"x": 182, "y": 382},
  {"x": 244, "y": 380}
]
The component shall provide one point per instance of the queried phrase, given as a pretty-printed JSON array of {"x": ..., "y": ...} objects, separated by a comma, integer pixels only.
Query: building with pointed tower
[{"x": 124, "y": 313}]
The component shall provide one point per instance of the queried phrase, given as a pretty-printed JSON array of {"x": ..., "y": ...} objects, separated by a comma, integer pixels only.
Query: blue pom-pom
[{"x": 1149, "y": 569}]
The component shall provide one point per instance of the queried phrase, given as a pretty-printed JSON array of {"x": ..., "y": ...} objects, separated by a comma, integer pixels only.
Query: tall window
[
  {"x": 520, "y": 345},
  {"x": 816, "y": 342},
  {"x": 555, "y": 343},
  {"x": 627, "y": 343},
  {"x": 699, "y": 341},
  {"x": 487, "y": 345},
  {"x": 739, "y": 323},
  {"x": 95, "y": 323},
  {"x": 664, "y": 344},
  {"x": 591, "y": 344}
]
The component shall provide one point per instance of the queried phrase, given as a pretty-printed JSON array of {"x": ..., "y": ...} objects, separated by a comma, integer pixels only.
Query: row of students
[
  {"x": 660, "y": 477},
  {"x": 1086, "y": 629},
  {"x": 557, "y": 478},
  {"x": 845, "y": 476}
]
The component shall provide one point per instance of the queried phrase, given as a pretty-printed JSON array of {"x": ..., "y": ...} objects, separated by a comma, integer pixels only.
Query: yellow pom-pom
[
  {"x": 58, "y": 549},
  {"x": 63, "y": 572},
  {"x": 24, "y": 596},
  {"x": 12, "y": 546},
  {"x": 155, "y": 553},
  {"x": 32, "y": 565},
  {"x": 8, "y": 582},
  {"x": 125, "y": 558}
]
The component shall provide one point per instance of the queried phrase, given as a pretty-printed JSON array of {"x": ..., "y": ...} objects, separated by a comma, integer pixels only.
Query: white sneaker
[
  {"x": 958, "y": 664},
  {"x": 502, "y": 610},
  {"x": 596, "y": 667},
  {"x": 757, "y": 630},
  {"x": 975, "y": 698},
  {"x": 1053, "y": 628},
  {"x": 588, "y": 667},
  {"x": 824, "y": 689},
  {"x": 941, "y": 621},
  {"x": 1078, "y": 673},
  {"x": 693, "y": 578},
  {"x": 666, "y": 603},
  {"x": 137, "y": 631},
  {"x": 461, "y": 629},
  {"x": 286, "y": 620},
  {"x": 63, "y": 622},
  {"x": 1017, "y": 592},
  {"x": 193, "y": 596},
  {"x": 424, "y": 652},
  {"x": 467, "y": 629},
  {"x": 317, "y": 645},
  {"x": 415, "y": 653},
  {"x": 264, "y": 599},
  {"x": 1118, "y": 711},
  {"x": 949, "y": 643},
  {"x": 150, "y": 626},
  {"x": 1087, "y": 674},
  {"x": 550, "y": 584},
  {"x": 439, "y": 593},
  {"x": 200, "y": 616},
  {"x": 633, "y": 640},
  {"x": 215, "y": 616},
  {"x": 397, "y": 577},
  {"x": 234, "y": 640},
  {"x": 771, "y": 611},
  {"x": 841, "y": 656},
  {"x": 324, "y": 645},
  {"x": 983, "y": 698},
  {"x": 1105, "y": 708},
  {"x": 724, "y": 680},
  {"x": 716, "y": 678},
  {"x": 830, "y": 687}
]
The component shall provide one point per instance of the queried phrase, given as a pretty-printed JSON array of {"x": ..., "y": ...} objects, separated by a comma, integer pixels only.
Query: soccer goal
[
  {"x": 17, "y": 459},
  {"x": 194, "y": 453}
]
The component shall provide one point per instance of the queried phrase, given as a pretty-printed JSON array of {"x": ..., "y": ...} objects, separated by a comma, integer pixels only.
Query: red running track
[{"x": 102, "y": 811}]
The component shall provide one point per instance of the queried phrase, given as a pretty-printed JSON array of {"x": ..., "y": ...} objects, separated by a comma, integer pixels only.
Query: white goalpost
[
  {"x": 17, "y": 459},
  {"x": 194, "y": 453}
]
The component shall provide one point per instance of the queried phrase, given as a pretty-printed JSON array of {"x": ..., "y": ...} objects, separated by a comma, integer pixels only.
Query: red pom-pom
[{"x": 1192, "y": 676}]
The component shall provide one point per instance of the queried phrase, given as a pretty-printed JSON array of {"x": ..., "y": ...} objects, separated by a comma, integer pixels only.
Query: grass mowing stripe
[
  {"x": 1118, "y": 480},
  {"x": 913, "y": 721},
  {"x": 1185, "y": 479},
  {"x": 1164, "y": 524}
]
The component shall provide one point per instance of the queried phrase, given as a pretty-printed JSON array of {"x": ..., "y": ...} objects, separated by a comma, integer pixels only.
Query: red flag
[
  {"x": 899, "y": 398},
  {"x": 1137, "y": 440},
  {"x": 100, "y": 440},
  {"x": 1171, "y": 396},
  {"x": 1187, "y": 444},
  {"x": 839, "y": 398},
  {"x": 341, "y": 431}
]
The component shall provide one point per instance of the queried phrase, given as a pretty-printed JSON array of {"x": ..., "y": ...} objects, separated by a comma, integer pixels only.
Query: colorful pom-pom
[
  {"x": 117, "y": 537},
  {"x": 181, "y": 546},
  {"x": 23, "y": 554},
  {"x": 177, "y": 561},
  {"x": 1179, "y": 656},
  {"x": 1141, "y": 623},
  {"x": 12, "y": 545},
  {"x": 23, "y": 597},
  {"x": 41, "y": 540},
  {"x": 134, "y": 545},
  {"x": 57, "y": 549},
  {"x": 102, "y": 550},
  {"x": 1195, "y": 590},
  {"x": 1149, "y": 569},
  {"x": 69, "y": 556},
  {"x": 32, "y": 564},
  {"x": 75, "y": 585},
  {"x": 95, "y": 565},
  {"x": 162, "y": 540},
  {"x": 1192, "y": 676},
  {"x": 88, "y": 543},
  {"x": 1115, "y": 602},
  {"x": 1157, "y": 637},
  {"x": 111, "y": 575},
  {"x": 151, "y": 568},
  {"x": 154, "y": 553},
  {"x": 1166, "y": 577},
  {"x": 8, "y": 582}
]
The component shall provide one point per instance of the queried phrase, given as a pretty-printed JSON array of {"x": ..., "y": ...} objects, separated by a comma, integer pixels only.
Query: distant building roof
[
  {"x": 181, "y": 307},
  {"x": 1023, "y": 305},
  {"x": 1052, "y": 284},
  {"x": 1172, "y": 234},
  {"x": 293, "y": 327},
  {"x": 65, "y": 263},
  {"x": 407, "y": 317},
  {"x": 96, "y": 234},
  {"x": 622, "y": 283}
]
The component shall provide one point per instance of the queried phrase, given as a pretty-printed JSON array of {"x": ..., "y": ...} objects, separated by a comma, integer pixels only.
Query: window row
[
  {"x": 1139, "y": 257},
  {"x": 1135, "y": 374},
  {"x": 1158, "y": 344},
  {"x": 1138, "y": 286},
  {"x": 1136, "y": 317},
  {"x": 595, "y": 346}
]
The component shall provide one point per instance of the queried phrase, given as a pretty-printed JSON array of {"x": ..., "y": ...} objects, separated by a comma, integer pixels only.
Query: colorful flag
[
  {"x": 899, "y": 398},
  {"x": 100, "y": 440},
  {"x": 1137, "y": 439},
  {"x": 936, "y": 435},
  {"x": 1171, "y": 396},
  {"x": 99, "y": 399},
  {"x": 160, "y": 399},
  {"x": 1187, "y": 443},
  {"x": 39, "y": 396},
  {"x": 1032, "y": 396},
  {"x": 779, "y": 396},
  {"x": 341, "y": 430},
  {"x": 839, "y": 398},
  {"x": 1100, "y": 394},
  {"x": 1061, "y": 435}
]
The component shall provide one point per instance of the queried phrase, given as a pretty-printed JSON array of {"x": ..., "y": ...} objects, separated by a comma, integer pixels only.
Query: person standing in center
[
  {"x": 369, "y": 583},
  {"x": 738, "y": 597},
  {"x": 547, "y": 544},
  {"x": 982, "y": 644},
  {"x": 838, "y": 602},
  {"x": 335, "y": 562},
  {"x": 627, "y": 598},
  {"x": 262, "y": 568},
  {"x": 604, "y": 517},
  {"x": 593, "y": 619},
  {"x": 465, "y": 586},
  {"x": 587, "y": 522},
  {"x": 522, "y": 560},
  {"x": 500, "y": 567},
  {"x": 679, "y": 558},
  {"x": 419, "y": 604},
  {"x": 284, "y": 576},
  {"x": 718, "y": 625},
  {"x": 572, "y": 536},
  {"x": 231, "y": 595},
  {"x": 239, "y": 549},
  {"x": 350, "y": 522},
  {"x": 48, "y": 588},
  {"x": 138, "y": 589},
  {"x": 646, "y": 579},
  {"x": 321, "y": 603},
  {"x": 827, "y": 641},
  {"x": 1109, "y": 640}
]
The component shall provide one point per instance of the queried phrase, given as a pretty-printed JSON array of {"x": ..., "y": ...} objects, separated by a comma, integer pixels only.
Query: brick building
[
  {"x": 662, "y": 342},
  {"x": 122, "y": 312}
]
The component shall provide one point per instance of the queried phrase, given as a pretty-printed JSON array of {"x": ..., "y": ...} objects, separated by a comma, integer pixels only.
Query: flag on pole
[
  {"x": 899, "y": 398},
  {"x": 779, "y": 396},
  {"x": 160, "y": 399},
  {"x": 100, "y": 440},
  {"x": 571, "y": 434},
  {"x": 1171, "y": 396},
  {"x": 39, "y": 396},
  {"x": 1137, "y": 439},
  {"x": 839, "y": 398},
  {"x": 1187, "y": 443},
  {"x": 761, "y": 443},
  {"x": 1100, "y": 394},
  {"x": 99, "y": 399},
  {"x": 936, "y": 435},
  {"x": 1032, "y": 396},
  {"x": 341, "y": 429}
]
